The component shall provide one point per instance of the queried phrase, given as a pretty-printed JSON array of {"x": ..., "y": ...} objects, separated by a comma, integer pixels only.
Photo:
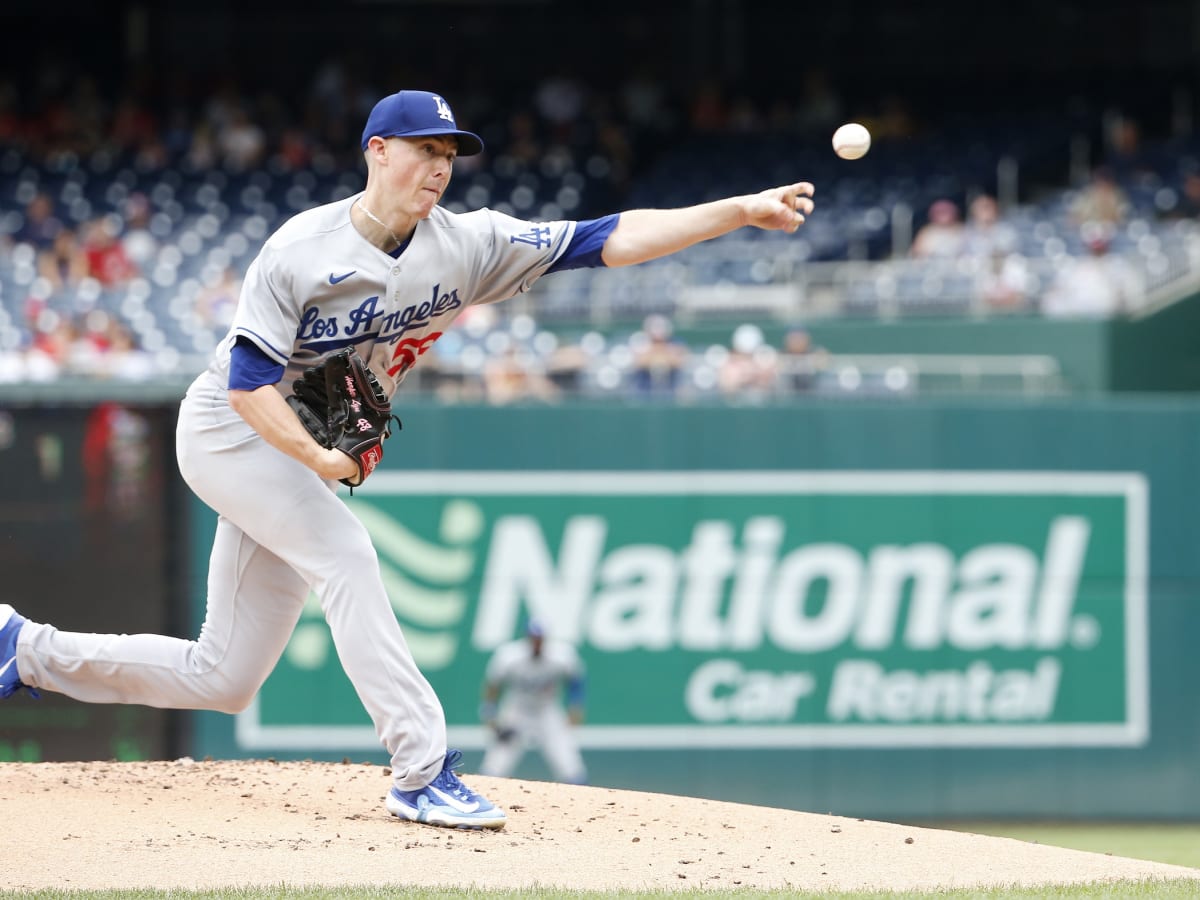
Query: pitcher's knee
[
  {"x": 223, "y": 682},
  {"x": 219, "y": 694},
  {"x": 232, "y": 700}
]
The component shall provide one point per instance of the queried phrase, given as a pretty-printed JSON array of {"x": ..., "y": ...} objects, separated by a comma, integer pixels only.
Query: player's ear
[{"x": 376, "y": 149}]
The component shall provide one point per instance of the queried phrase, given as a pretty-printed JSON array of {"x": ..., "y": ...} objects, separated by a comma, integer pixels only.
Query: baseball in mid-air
[{"x": 851, "y": 141}]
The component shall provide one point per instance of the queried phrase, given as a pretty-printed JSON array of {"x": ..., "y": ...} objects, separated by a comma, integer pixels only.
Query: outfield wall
[
  {"x": 901, "y": 611},
  {"x": 91, "y": 510}
]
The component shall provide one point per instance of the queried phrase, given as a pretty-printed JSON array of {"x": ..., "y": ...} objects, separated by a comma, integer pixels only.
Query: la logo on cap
[{"x": 417, "y": 114}]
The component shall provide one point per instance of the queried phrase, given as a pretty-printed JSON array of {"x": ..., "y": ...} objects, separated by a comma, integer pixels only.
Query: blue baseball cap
[{"x": 417, "y": 114}]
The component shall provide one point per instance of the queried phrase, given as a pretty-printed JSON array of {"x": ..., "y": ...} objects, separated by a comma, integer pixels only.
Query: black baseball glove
[
  {"x": 344, "y": 407},
  {"x": 504, "y": 733}
]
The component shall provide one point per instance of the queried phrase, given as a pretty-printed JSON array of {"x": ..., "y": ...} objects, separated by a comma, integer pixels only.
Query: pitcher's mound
[{"x": 236, "y": 824}]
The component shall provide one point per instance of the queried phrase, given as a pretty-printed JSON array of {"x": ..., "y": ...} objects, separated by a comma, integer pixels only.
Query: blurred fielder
[{"x": 524, "y": 690}]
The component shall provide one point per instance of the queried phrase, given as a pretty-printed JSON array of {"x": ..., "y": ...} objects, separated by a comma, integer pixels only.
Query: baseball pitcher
[{"x": 340, "y": 303}]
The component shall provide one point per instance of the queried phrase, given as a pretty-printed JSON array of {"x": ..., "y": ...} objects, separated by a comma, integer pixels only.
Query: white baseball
[{"x": 851, "y": 141}]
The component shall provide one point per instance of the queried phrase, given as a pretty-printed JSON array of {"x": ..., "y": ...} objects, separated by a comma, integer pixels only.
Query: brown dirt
[{"x": 237, "y": 824}]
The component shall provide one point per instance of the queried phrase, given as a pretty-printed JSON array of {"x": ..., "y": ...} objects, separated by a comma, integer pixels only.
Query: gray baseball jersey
[{"x": 317, "y": 286}]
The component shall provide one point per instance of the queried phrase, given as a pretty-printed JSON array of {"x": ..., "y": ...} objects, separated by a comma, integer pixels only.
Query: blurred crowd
[
  {"x": 1094, "y": 283},
  {"x": 62, "y": 119},
  {"x": 484, "y": 360},
  {"x": 61, "y": 116},
  {"x": 1093, "y": 229}
]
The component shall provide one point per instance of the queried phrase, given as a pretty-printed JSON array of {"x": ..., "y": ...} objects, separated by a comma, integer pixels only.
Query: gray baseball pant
[{"x": 281, "y": 531}]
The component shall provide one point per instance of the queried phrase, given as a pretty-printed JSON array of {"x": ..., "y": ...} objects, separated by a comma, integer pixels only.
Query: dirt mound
[{"x": 225, "y": 824}]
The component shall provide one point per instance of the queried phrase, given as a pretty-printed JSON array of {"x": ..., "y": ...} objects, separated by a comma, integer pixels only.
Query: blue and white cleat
[
  {"x": 10, "y": 627},
  {"x": 446, "y": 801}
]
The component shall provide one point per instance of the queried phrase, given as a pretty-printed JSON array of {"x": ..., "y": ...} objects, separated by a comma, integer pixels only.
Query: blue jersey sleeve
[
  {"x": 576, "y": 691},
  {"x": 584, "y": 250},
  {"x": 250, "y": 367}
]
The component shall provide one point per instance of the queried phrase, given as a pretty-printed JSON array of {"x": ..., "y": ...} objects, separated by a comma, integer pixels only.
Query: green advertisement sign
[{"x": 760, "y": 609}]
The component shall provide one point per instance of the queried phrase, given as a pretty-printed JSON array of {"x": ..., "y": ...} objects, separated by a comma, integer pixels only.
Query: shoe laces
[{"x": 448, "y": 781}]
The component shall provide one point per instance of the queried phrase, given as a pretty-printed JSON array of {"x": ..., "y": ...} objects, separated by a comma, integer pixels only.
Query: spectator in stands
[
  {"x": 124, "y": 359},
  {"x": 176, "y": 132},
  {"x": 659, "y": 359},
  {"x": 1102, "y": 200},
  {"x": 1186, "y": 203},
  {"x": 566, "y": 366},
  {"x": 1003, "y": 274},
  {"x": 1123, "y": 140},
  {"x": 133, "y": 126},
  {"x": 330, "y": 91},
  {"x": 242, "y": 143},
  {"x": 63, "y": 264},
  {"x": 1004, "y": 282},
  {"x": 41, "y": 225},
  {"x": 614, "y": 147},
  {"x": 202, "y": 152},
  {"x": 137, "y": 240},
  {"x": 1098, "y": 285},
  {"x": 985, "y": 234},
  {"x": 560, "y": 102},
  {"x": 90, "y": 346},
  {"x": 53, "y": 342},
  {"x": 943, "y": 235},
  {"x": 295, "y": 150},
  {"x": 151, "y": 155},
  {"x": 513, "y": 376},
  {"x": 106, "y": 258},
  {"x": 523, "y": 143},
  {"x": 801, "y": 362},
  {"x": 643, "y": 101},
  {"x": 749, "y": 370},
  {"x": 217, "y": 298}
]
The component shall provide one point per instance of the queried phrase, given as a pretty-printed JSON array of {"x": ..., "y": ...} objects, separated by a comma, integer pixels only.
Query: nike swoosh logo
[
  {"x": 4, "y": 668},
  {"x": 338, "y": 279},
  {"x": 454, "y": 802}
]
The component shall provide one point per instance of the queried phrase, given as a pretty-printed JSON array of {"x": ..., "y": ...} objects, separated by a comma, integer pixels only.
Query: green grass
[
  {"x": 1158, "y": 890},
  {"x": 1167, "y": 843}
]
